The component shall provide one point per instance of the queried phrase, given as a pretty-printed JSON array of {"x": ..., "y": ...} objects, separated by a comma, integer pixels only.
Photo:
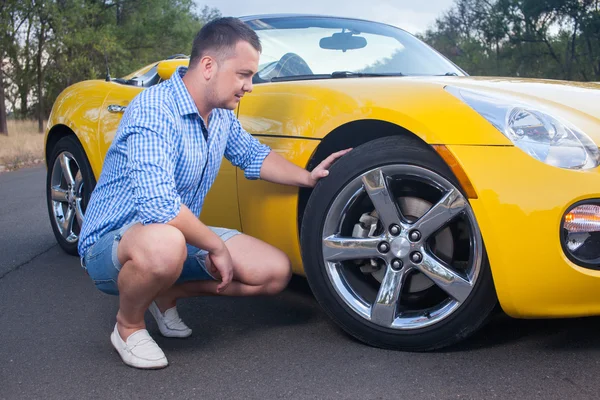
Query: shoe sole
[{"x": 175, "y": 336}]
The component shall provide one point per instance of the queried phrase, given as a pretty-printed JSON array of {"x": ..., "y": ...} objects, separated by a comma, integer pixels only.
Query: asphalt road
[{"x": 54, "y": 339}]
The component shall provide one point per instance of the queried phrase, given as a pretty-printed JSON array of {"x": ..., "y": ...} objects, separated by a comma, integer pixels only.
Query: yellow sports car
[{"x": 460, "y": 192}]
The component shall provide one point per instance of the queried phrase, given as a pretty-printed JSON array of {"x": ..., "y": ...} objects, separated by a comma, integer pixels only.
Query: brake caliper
[{"x": 363, "y": 229}]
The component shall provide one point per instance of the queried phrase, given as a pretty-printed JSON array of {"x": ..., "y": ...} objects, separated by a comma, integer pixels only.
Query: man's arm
[
  {"x": 243, "y": 150},
  {"x": 199, "y": 235},
  {"x": 195, "y": 231},
  {"x": 150, "y": 154},
  {"x": 258, "y": 161},
  {"x": 277, "y": 169}
]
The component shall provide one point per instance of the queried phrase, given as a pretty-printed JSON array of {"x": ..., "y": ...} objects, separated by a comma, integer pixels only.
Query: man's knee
[
  {"x": 160, "y": 251},
  {"x": 280, "y": 269}
]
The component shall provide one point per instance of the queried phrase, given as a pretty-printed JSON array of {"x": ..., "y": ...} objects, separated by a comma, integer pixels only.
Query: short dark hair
[{"x": 221, "y": 35}]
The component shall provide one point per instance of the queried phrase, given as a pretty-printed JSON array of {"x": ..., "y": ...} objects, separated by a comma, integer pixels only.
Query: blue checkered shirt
[{"x": 160, "y": 159}]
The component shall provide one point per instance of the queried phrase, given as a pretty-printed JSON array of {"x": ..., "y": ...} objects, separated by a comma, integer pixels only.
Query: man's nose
[{"x": 248, "y": 87}]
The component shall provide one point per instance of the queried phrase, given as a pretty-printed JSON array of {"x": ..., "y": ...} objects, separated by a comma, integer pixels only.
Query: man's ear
[{"x": 208, "y": 67}]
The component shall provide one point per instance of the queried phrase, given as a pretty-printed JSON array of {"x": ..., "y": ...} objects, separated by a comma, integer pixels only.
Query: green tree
[
  {"x": 5, "y": 40},
  {"x": 13, "y": 17},
  {"x": 48, "y": 45},
  {"x": 558, "y": 39}
]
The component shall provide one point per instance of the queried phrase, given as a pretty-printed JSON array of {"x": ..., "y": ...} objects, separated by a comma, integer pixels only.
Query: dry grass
[{"x": 23, "y": 145}]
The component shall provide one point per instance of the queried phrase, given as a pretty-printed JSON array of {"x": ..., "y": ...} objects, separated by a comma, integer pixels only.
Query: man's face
[{"x": 233, "y": 76}]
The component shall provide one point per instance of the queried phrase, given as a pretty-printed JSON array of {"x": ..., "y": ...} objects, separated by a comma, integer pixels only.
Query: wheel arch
[
  {"x": 351, "y": 134},
  {"x": 59, "y": 131}
]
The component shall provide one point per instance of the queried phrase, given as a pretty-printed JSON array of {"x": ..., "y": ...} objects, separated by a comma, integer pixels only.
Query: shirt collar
[{"x": 185, "y": 103}]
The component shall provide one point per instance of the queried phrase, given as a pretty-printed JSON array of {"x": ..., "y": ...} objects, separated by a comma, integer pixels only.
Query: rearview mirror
[
  {"x": 166, "y": 68},
  {"x": 343, "y": 41}
]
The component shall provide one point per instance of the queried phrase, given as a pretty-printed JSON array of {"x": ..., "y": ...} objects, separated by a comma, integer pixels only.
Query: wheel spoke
[
  {"x": 376, "y": 186},
  {"x": 78, "y": 179},
  {"x": 59, "y": 194},
  {"x": 337, "y": 248},
  {"x": 440, "y": 214},
  {"x": 67, "y": 223},
  {"x": 64, "y": 164},
  {"x": 79, "y": 214},
  {"x": 449, "y": 281},
  {"x": 383, "y": 311}
]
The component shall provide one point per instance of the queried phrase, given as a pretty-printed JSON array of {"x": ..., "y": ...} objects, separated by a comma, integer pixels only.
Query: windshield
[{"x": 316, "y": 47}]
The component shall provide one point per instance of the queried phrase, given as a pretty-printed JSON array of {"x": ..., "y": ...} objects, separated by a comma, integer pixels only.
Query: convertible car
[{"x": 462, "y": 195}]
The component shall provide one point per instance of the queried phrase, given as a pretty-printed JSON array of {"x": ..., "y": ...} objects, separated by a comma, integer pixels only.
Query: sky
[{"x": 410, "y": 15}]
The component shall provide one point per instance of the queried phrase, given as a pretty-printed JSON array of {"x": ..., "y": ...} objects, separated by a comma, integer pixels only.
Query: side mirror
[
  {"x": 343, "y": 41},
  {"x": 166, "y": 68}
]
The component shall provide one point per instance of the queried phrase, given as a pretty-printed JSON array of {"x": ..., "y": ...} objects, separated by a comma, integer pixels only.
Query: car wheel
[
  {"x": 392, "y": 250},
  {"x": 69, "y": 184}
]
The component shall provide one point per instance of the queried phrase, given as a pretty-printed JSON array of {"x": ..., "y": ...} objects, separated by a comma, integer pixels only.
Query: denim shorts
[{"x": 103, "y": 266}]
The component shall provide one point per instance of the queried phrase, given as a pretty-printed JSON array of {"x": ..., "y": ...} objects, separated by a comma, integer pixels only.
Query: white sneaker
[
  {"x": 140, "y": 350},
  {"x": 169, "y": 323}
]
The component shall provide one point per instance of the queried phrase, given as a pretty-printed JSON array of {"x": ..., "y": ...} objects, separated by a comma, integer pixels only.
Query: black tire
[
  {"x": 464, "y": 321},
  {"x": 70, "y": 145}
]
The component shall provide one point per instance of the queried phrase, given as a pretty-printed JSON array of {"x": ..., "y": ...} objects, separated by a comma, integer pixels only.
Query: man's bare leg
[
  {"x": 258, "y": 269},
  {"x": 152, "y": 257}
]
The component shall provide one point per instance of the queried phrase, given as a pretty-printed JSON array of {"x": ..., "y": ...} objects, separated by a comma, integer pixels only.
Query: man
[{"x": 142, "y": 238}]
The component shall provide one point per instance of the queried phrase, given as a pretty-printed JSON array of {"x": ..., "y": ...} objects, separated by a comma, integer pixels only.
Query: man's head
[{"x": 224, "y": 58}]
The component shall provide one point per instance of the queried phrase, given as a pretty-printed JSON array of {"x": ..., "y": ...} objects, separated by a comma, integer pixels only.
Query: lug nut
[
  {"x": 397, "y": 265},
  {"x": 415, "y": 236},
  {"x": 416, "y": 257},
  {"x": 395, "y": 230},
  {"x": 383, "y": 247}
]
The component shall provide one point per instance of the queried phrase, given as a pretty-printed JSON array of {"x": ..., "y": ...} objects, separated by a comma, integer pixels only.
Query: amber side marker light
[
  {"x": 580, "y": 234},
  {"x": 585, "y": 218},
  {"x": 460, "y": 174}
]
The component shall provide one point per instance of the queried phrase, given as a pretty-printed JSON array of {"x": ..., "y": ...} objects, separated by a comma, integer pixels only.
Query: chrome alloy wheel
[
  {"x": 402, "y": 251},
  {"x": 67, "y": 192}
]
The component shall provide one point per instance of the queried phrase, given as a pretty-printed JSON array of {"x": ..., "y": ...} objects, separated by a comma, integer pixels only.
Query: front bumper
[{"x": 519, "y": 208}]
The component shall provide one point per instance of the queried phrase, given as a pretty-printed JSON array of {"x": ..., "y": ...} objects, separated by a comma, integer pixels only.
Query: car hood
[
  {"x": 577, "y": 96},
  {"x": 577, "y": 102}
]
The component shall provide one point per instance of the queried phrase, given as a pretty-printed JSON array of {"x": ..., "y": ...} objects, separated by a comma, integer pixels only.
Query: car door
[{"x": 269, "y": 211}]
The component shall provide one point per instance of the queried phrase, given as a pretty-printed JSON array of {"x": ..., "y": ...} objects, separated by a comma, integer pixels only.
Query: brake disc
[{"x": 412, "y": 209}]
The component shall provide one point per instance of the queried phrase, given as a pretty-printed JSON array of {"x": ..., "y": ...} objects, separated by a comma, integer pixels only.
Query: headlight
[{"x": 534, "y": 131}]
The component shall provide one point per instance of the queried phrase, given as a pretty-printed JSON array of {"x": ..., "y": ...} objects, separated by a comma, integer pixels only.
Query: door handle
[{"x": 115, "y": 108}]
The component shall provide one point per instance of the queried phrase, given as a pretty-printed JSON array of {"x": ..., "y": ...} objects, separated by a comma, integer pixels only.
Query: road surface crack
[{"x": 27, "y": 262}]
